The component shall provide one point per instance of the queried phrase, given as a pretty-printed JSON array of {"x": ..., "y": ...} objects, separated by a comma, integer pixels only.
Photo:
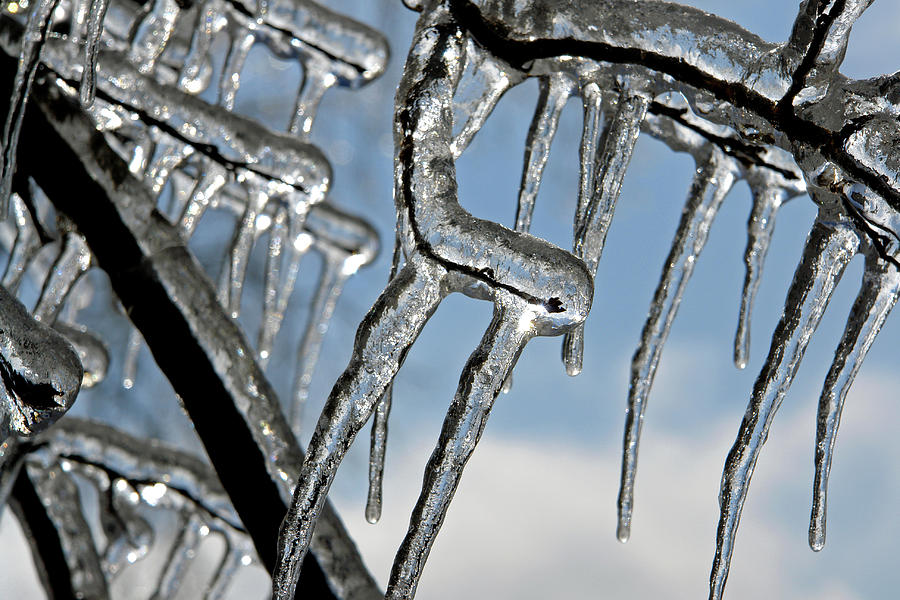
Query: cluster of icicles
[
  {"x": 625, "y": 63},
  {"x": 136, "y": 71}
]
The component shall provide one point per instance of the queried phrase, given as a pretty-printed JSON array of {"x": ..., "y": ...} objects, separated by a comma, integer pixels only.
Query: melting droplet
[
  {"x": 829, "y": 248},
  {"x": 710, "y": 186}
]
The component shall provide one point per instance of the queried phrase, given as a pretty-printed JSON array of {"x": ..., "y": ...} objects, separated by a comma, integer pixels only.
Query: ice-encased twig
[
  {"x": 767, "y": 199},
  {"x": 383, "y": 338},
  {"x": 829, "y": 248},
  {"x": 555, "y": 91},
  {"x": 711, "y": 184},
  {"x": 606, "y": 174},
  {"x": 29, "y": 58},
  {"x": 482, "y": 378},
  {"x": 59, "y": 495},
  {"x": 877, "y": 296},
  {"x": 159, "y": 282}
]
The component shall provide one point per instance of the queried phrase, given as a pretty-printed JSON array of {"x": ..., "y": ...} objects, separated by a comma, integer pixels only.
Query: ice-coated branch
[{"x": 173, "y": 304}]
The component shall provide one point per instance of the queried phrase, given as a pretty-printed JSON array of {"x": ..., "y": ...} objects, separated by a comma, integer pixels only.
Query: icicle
[
  {"x": 316, "y": 81},
  {"x": 132, "y": 352},
  {"x": 168, "y": 155},
  {"x": 25, "y": 247},
  {"x": 233, "y": 559},
  {"x": 710, "y": 186},
  {"x": 241, "y": 42},
  {"x": 489, "y": 80},
  {"x": 767, "y": 199},
  {"x": 241, "y": 246},
  {"x": 181, "y": 556},
  {"x": 482, "y": 378},
  {"x": 607, "y": 174},
  {"x": 29, "y": 57},
  {"x": 377, "y": 450},
  {"x": 378, "y": 440},
  {"x": 391, "y": 326},
  {"x": 331, "y": 282},
  {"x": 555, "y": 91},
  {"x": 212, "y": 179},
  {"x": 91, "y": 49},
  {"x": 591, "y": 131},
  {"x": 271, "y": 318},
  {"x": 828, "y": 250},
  {"x": 878, "y": 295},
  {"x": 73, "y": 260},
  {"x": 209, "y": 22},
  {"x": 151, "y": 34},
  {"x": 128, "y": 535}
]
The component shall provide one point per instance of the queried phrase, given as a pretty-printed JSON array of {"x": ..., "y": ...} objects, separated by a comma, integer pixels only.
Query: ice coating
[
  {"x": 537, "y": 289},
  {"x": 601, "y": 183}
]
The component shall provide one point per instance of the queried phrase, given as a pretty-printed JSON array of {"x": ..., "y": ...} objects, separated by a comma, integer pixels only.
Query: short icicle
[
  {"x": 25, "y": 247},
  {"x": 382, "y": 340},
  {"x": 877, "y": 296},
  {"x": 241, "y": 246},
  {"x": 151, "y": 33},
  {"x": 73, "y": 260},
  {"x": 130, "y": 363},
  {"x": 480, "y": 383},
  {"x": 767, "y": 199},
  {"x": 29, "y": 57},
  {"x": 710, "y": 186},
  {"x": 555, "y": 92},
  {"x": 829, "y": 248},
  {"x": 317, "y": 79},
  {"x": 210, "y": 182},
  {"x": 597, "y": 200},
  {"x": 271, "y": 318},
  {"x": 241, "y": 42}
]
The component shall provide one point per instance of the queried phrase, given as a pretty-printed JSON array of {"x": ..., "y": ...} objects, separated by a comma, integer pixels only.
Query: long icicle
[
  {"x": 710, "y": 186},
  {"x": 378, "y": 437},
  {"x": 607, "y": 174},
  {"x": 829, "y": 248},
  {"x": 555, "y": 91},
  {"x": 385, "y": 335},
  {"x": 767, "y": 199},
  {"x": 331, "y": 282},
  {"x": 29, "y": 57},
  {"x": 480, "y": 383},
  {"x": 241, "y": 247},
  {"x": 877, "y": 296}
]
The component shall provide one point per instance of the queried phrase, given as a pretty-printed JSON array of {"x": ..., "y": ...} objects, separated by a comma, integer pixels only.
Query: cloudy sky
[{"x": 535, "y": 513}]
